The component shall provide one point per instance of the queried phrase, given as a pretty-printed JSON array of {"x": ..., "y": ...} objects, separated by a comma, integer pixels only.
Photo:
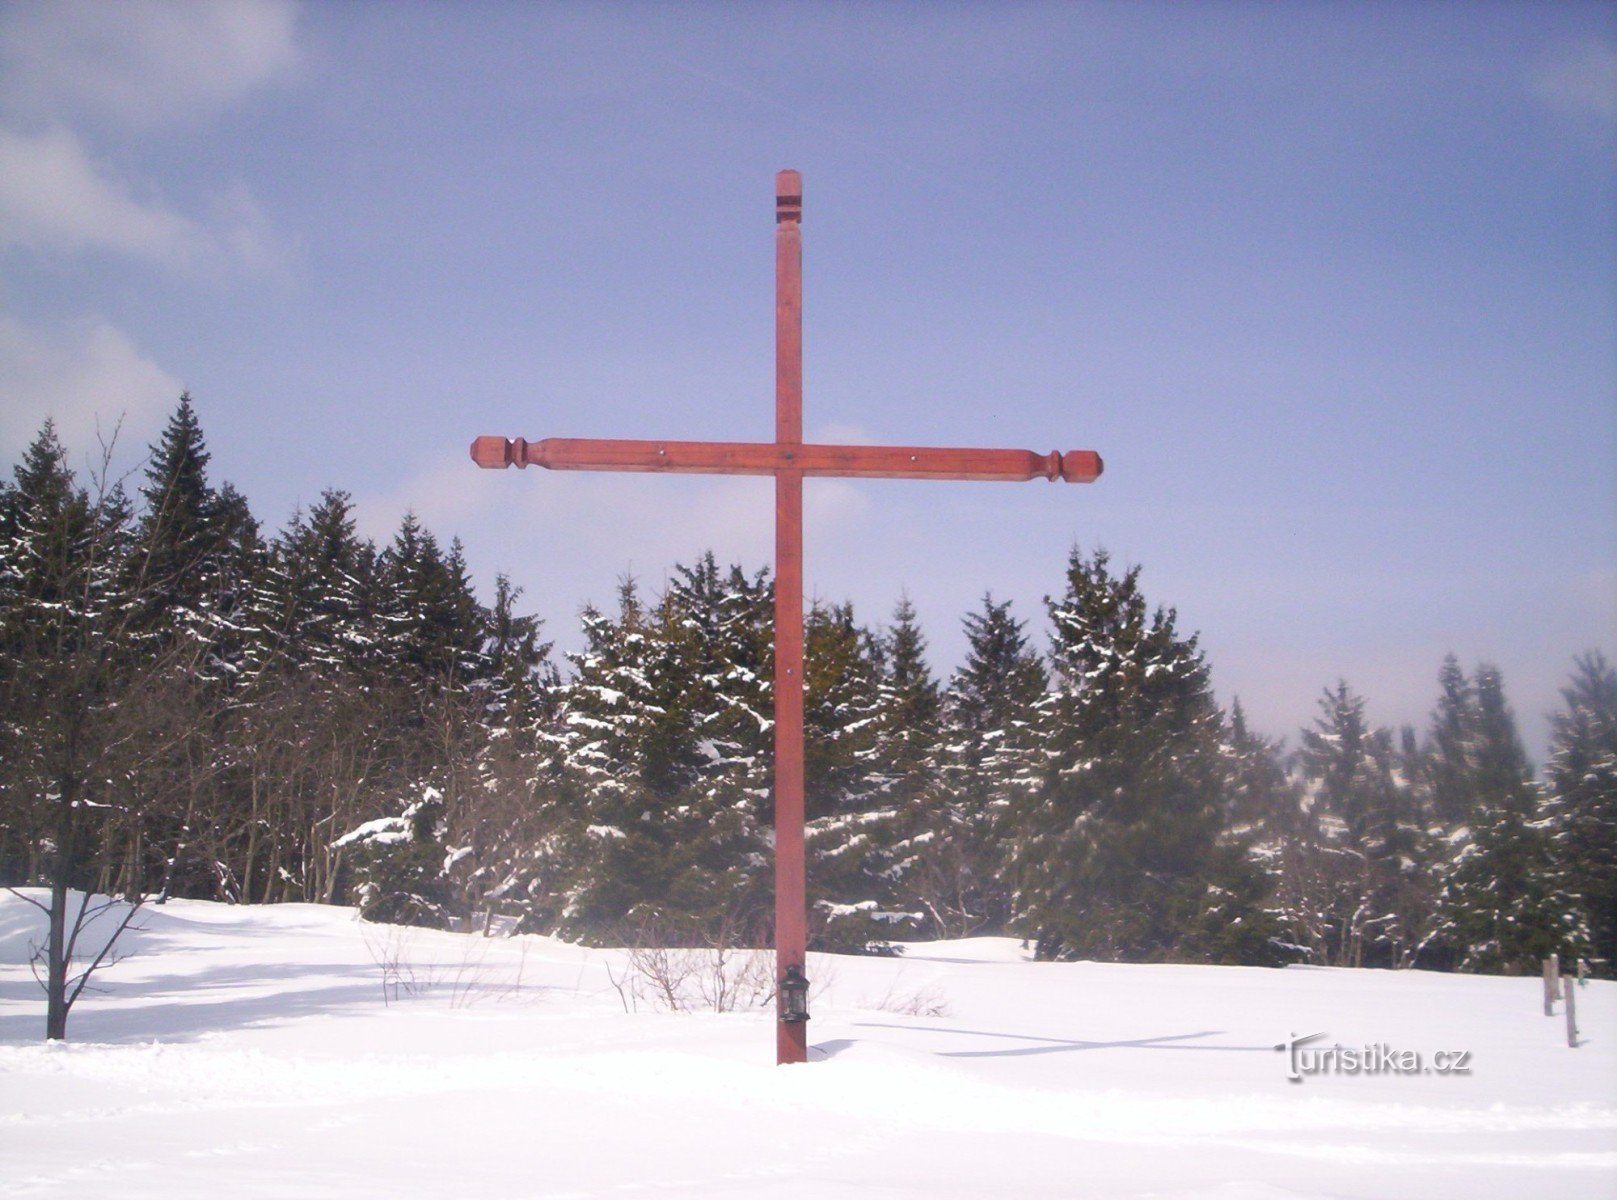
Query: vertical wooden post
[
  {"x": 1571, "y": 992},
  {"x": 791, "y": 901},
  {"x": 1552, "y": 967}
]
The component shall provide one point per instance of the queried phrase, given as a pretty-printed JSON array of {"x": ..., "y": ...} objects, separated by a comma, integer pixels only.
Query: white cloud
[
  {"x": 241, "y": 234},
  {"x": 85, "y": 378},
  {"x": 52, "y": 197},
  {"x": 1581, "y": 81},
  {"x": 140, "y": 63},
  {"x": 70, "y": 72}
]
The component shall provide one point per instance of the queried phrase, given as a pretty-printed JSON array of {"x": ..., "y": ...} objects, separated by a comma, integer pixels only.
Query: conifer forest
[{"x": 194, "y": 705}]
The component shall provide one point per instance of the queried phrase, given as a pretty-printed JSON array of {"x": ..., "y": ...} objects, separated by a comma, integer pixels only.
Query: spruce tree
[
  {"x": 49, "y": 531},
  {"x": 908, "y": 758},
  {"x": 242, "y": 565},
  {"x": 850, "y": 822},
  {"x": 1505, "y": 900},
  {"x": 1582, "y": 809},
  {"x": 660, "y": 782},
  {"x": 1262, "y": 795},
  {"x": 309, "y": 608},
  {"x": 1122, "y": 852},
  {"x": 311, "y": 730},
  {"x": 431, "y": 620},
  {"x": 520, "y": 677},
  {"x": 1266, "y": 805},
  {"x": 398, "y": 864},
  {"x": 719, "y": 625},
  {"x": 1368, "y": 839},
  {"x": 990, "y": 754},
  {"x": 1446, "y": 760},
  {"x": 180, "y": 536},
  {"x": 186, "y": 574},
  {"x": 506, "y": 824}
]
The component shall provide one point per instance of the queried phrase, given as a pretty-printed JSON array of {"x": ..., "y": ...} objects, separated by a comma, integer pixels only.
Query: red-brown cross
[{"x": 789, "y": 459}]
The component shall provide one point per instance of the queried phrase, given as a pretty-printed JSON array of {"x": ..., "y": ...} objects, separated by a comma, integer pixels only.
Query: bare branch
[
  {"x": 84, "y": 977},
  {"x": 44, "y": 908}
]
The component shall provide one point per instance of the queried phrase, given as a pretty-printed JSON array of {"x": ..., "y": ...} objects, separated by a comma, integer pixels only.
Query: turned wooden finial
[{"x": 788, "y": 196}]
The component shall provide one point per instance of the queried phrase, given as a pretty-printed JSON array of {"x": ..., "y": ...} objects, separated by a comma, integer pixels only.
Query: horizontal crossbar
[{"x": 772, "y": 458}]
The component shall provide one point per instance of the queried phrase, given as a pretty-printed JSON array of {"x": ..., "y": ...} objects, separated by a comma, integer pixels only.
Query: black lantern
[{"x": 794, "y": 995}]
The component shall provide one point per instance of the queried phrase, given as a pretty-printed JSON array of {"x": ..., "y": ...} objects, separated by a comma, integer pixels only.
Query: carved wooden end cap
[
  {"x": 494, "y": 453},
  {"x": 1081, "y": 466}
]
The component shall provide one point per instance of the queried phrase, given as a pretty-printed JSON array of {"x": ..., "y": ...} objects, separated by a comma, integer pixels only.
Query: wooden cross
[{"x": 789, "y": 459}]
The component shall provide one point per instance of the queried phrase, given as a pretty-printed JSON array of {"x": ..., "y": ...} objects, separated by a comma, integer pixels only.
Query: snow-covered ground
[{"x": 252, "y": 1052}]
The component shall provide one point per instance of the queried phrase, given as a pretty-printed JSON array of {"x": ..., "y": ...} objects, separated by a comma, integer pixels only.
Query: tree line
[{"x": 195, "y": 707}]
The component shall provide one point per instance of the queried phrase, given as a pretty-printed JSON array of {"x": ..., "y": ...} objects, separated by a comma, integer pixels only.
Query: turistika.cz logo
[{"x": 1376, "y": 1058}]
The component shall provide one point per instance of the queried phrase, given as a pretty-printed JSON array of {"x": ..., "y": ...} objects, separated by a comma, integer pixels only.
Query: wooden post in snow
[
  {"x": 1571, "y": 991},
  {"x": 1552, "y": 972}
]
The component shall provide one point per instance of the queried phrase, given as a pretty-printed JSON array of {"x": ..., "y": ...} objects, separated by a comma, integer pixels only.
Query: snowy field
[{"x": 296, "y": 1052}]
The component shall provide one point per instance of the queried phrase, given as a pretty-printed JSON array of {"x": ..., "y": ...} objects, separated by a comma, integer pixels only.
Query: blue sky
[{"x": 1332, "y": 287}]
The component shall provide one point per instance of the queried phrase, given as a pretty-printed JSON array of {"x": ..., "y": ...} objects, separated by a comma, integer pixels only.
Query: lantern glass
[{"x": 794, "y": 995}]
